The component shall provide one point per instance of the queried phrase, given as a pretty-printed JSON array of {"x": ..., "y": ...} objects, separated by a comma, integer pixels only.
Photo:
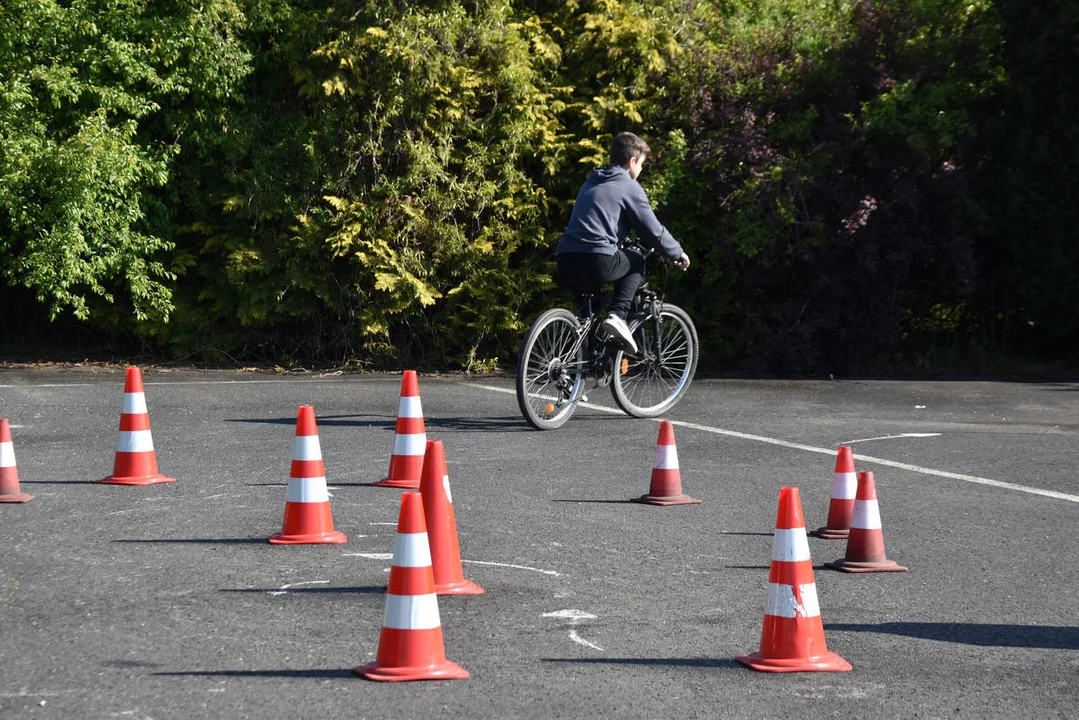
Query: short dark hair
[{"x": 625, "y": 146}]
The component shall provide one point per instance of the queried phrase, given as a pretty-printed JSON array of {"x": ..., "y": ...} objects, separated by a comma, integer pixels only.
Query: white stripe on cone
[
  {"x": 134, "y": 403},
  {"x": 413, "y": 444},
  {"x": 134, "y": 441},
  {"x": 411, "y": 612},
  {"x": 307, "y": 490},
  {"x": 7, "y": 454},
  {"x": 306, "y": 447},
  {"x": 666, "y": 457},
  {"x": 845, "y": 486},
  {"x": 409, "y": 407},
  {"x": 411, "y": 550},
  {"x": 790, "y": 545},
  {"x": 783, "y": 603},
  {"x": 866, "y": 515}
]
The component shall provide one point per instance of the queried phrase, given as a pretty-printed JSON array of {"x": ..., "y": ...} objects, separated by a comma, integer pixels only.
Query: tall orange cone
[
  {"x": 666, "y": 485},
  {"x": 442, "y": 525},
  {"x": 865, "y": 546},
  {"x": 135, "y": 462},
  {"x": 410, "y": 646},
  {"x": 409, "y": 438},
  {"x": 308, "y": 520},
  {"x": 793, "y": 636},
  {"x": 9, "y": 473},
  {"x": 844, "y": 488}
]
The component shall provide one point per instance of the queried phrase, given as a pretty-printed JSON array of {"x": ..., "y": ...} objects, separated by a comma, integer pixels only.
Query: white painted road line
[{"x": 831, "y": 451}]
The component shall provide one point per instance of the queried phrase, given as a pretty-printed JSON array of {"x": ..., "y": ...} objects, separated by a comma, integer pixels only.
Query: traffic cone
[
  {"x": 865, "y": 546},
  {"x": 793, "y": 636},
  {"x": 135, "y": 462},
  {"x": 9, "y": 473},
  {"x": 308, "y": 520},
  {"x": 410, "y": 646},
  {"x": 666, "y": 485},
  {"x": 844, "y": 488},
  {"x": 409, "y": 438},
  {"x": 442, "y": 525}
]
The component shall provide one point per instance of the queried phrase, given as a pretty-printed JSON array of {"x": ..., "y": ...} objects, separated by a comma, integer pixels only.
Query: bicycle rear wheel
[
  {"x": 549, "y": 372},
  {"x": 653, "y": 381}
]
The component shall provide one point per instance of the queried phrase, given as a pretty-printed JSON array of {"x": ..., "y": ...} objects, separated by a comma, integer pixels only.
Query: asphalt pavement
[{"x": 167, "y": 601}]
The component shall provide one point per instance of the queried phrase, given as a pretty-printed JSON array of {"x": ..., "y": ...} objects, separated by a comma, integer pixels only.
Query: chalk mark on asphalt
[
  {"x": 285, "y": 588},
  {"x": 515, "y": 567},
  {"x": 829, "y": 451},
  {"x": 892, "y": 437},
  {"x": 575, "y": 616}
]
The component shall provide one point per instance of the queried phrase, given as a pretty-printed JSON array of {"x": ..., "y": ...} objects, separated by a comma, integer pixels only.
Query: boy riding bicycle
[{"x": 609, "y": 205}]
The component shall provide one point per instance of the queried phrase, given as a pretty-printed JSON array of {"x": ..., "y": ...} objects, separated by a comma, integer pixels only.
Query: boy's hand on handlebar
[{"x": 682, "y": 262}]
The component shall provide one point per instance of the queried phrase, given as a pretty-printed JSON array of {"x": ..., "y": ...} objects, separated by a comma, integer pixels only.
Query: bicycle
[{"x": 561, "y": 349}]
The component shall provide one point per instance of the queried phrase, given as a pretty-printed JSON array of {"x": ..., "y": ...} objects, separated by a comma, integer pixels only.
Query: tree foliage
[
  {"x": 863, "y": 186},
  {"x": 81, "y": 84}
]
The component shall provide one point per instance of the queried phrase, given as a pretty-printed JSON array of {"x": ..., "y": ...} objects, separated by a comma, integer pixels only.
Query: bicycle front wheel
[
  {"x": 549, "y": 370},
  {"x": 651, "y": 382}
]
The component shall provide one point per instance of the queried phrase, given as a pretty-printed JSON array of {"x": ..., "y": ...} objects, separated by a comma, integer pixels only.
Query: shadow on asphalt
[
  {"x": 672, "y": 662},
  {"x": 508, "y": 423},
  {"x": 369, "y": 590},
  {"x": 227, "y": 541},
  {"x": 326, "y": 674},
  {"x": 987, "y": 635}
]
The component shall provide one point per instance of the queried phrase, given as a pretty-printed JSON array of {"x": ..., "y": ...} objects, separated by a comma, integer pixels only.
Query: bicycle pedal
[{"x": 584, "y": 398}]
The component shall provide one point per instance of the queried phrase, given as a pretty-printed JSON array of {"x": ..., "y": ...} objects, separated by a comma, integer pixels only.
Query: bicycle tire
[
  {"x": 650, "y": 383},
  {"x": 548, "y": 380}
]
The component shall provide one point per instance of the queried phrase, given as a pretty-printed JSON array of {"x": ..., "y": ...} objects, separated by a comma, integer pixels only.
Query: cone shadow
[
  {"x": 366, "y": 590},
  {"x": 607, "y": 502},
  {"x": 205, "y": 541},
  {"x": 985, "y": 635},
  {"x": 660, "y": 662},
  {"x": 326, "y": 674}
]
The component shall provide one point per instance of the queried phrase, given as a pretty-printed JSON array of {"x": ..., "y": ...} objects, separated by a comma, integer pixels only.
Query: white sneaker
[{"x": 616, "y": 327}]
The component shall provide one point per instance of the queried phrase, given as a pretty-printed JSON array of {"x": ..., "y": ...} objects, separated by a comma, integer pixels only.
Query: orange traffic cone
[
  {"x": 865, "y": 546},
  {"x": 409, "y": 438},
  {"x": 410, "y": 646},
  {"x": 135, "y": 462},
  {"x": 9, "y": 473},
  {"x": 666, "y": 485},
  {"x": 442, "y": 525},
  {"x": 793, "y": 636},
  {"x": 844, "y": 488},
  {"x": 308, "y": 520}
]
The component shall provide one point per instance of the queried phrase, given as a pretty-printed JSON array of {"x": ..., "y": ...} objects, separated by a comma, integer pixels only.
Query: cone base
[
  {"x": 331, "y": 538},
  {"x": 136, "y": 480},
  {"x": 16, "y": 498},
  {"x": 829, "y": 662},
  {"x": 852, "y": 566},
  {"x": 444, "y": 671},
  {"x": 827, "y": 533},
  {"x": 665, "y": 500},
  {"x": 459, "y": 587},
  {"x": 396, "y": 483}
]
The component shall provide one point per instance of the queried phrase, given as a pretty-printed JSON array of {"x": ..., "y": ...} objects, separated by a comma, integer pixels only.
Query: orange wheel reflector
[
  {"x": 549, "y": 409},
  {"x": 625, "y": 366}
]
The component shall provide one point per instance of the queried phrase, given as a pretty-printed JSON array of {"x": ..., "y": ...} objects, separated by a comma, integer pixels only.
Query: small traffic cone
[
  {"x": 442, "y": 525},
  {"x": 308, "y": 520},
  {"x": 410, "y": 646},
  {"x": 844, "y": 488},
  {"x": 793, "y": 636},
  {"x": 409, "y": 438},
  {"x": 135, "y": 462},
  {"x": 9, "y": 473},
  {"x": 666, "y": 485},
  {"x": 865, "y": 546}
]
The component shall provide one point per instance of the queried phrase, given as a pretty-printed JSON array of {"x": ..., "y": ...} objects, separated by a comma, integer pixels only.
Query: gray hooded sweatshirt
[{"x": 609, "y": 205}]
